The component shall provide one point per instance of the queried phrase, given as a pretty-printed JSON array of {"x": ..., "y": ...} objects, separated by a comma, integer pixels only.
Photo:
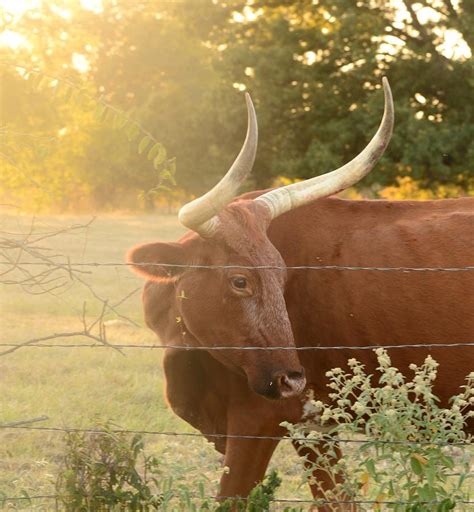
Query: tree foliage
[{"x": 313, "y": 68}]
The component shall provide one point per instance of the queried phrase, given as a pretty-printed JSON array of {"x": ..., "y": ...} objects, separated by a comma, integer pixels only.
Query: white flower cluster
[{"x": 403, "y": 413}]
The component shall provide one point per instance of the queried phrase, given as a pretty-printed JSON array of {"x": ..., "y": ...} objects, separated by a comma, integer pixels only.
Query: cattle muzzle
[{"x": 284, "y": 384}]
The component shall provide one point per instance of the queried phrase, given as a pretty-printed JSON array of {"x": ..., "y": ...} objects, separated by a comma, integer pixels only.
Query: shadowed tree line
[{"x": 313, "y": 68}]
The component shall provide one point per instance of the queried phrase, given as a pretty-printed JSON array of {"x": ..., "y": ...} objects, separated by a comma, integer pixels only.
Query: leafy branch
[{"x": 69, "y": 91}]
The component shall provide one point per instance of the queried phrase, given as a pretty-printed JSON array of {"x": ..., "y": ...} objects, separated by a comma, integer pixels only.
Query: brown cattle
[{"x": 230, "y": 391}]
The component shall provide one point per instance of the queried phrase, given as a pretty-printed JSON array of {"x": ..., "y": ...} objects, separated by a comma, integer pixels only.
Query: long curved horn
[
  {"x": 200, "y": 214},
  {"x": 286, "y": 198}
]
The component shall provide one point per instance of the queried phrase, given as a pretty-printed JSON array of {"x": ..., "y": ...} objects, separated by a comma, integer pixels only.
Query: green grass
[{"x": 74, "y": 386}]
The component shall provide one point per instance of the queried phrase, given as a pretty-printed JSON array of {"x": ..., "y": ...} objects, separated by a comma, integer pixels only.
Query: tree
[{"x": 313, "y": 68}]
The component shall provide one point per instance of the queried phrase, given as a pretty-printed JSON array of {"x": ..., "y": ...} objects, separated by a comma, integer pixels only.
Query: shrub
[
  {"x": 108, "y": 470},
  {"x": 259, "y": 500},
  {"x": 405, "y": 443}
]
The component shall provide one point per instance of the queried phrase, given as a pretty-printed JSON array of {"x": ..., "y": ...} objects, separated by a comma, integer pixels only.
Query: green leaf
[
  {"x": 370, "y": 465},
  {"x": 143, "y": 144},
  {"x": 431, "y": 492},
  {"x": 171, "y": 166},
  {"x": 122, "y": 121},
  {"x": 160, "y": 157},
  {"x": 166, "y": 175},
  {"x": 154, "y": 151},
  {"x": 446, "y": 505},
  {"x": 431, "y": 473},
  {"x": 447, "y": 461},
  {"x": 416, "y": 466},
  {"x": 201, "y": 489},
  {"x": 133, "y": 132}
]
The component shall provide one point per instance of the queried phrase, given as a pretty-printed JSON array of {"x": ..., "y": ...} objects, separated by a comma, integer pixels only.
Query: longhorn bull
[{"x": 251, "y": 392}]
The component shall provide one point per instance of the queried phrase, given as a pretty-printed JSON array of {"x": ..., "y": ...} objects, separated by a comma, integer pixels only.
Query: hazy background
[{"x": 180, "y": 68}]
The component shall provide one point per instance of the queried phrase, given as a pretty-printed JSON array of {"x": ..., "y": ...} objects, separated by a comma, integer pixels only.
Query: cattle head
[{"x": 189, "y": 301}]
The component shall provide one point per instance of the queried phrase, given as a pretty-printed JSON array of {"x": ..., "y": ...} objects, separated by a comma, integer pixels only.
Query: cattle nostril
[
  {"x": 296, "y": 375},
  {"x": 290, "y": 383},
  {"x": 283, "y": 382}
]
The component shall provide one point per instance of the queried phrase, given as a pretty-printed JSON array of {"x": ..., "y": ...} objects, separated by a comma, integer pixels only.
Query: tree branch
[
  {"x": 450, "y": 7},
  {"x": 425, "y": 38}
]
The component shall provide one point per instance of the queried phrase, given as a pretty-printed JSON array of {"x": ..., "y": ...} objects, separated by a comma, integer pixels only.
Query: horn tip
[
  {"x": 386, "y": 86},
  {"x": 388, "y": 96}
]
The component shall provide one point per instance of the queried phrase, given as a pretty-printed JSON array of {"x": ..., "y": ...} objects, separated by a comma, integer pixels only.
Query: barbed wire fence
[
  {"x": 65, "y": 269},
  {"x": 28, "y": 262}
]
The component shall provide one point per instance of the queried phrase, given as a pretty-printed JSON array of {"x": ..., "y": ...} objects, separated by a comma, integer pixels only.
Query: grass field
[{"x": 74, "y": 386}]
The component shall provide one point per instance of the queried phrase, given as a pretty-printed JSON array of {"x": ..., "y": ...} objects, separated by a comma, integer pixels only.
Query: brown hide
[
  {"x": 325, "y": 307},
  {"x": 197, "y": 391},
  {"x": 372, "y": 307}
]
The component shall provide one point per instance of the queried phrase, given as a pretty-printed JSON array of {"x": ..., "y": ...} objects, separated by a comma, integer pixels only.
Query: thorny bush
[{"x": 407, "y": 451}]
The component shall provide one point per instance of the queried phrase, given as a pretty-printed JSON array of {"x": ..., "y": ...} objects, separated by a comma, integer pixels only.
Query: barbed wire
[
  {"x": 237, "y": 436},
  {"x": 37, "y": 343},
  {"x": 467, "y": 268},
  {"x": 315, "y": 501},
  {"x": 29, "y": 247}
]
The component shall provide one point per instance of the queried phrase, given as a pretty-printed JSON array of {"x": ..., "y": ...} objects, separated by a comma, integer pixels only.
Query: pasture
[{"x": 76, "y": 386}]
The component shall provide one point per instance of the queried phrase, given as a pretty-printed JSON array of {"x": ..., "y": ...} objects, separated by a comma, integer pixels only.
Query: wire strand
[
  {"x": 32, "y": 344},
  {"x": 235, "y": 436},
  {"x": 315, "y": 501},
  {"x": 467, "y": 268}
]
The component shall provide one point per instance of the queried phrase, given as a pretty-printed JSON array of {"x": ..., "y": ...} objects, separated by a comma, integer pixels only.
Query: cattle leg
[
  {"x": 245, "y": 461},
  {"x": 322, "y": 480}
]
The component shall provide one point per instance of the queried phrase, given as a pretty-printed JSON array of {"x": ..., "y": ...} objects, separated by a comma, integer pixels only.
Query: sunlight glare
[
  {"x": 18, "y": 7},
  {"x": 93, "y": 5},
  {"x": 80, "y": 62},
  {"x": 454, "y": 46},
  {"x": 12, "y": 39}
]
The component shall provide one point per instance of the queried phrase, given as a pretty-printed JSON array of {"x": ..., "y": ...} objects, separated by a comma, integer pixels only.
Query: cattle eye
[{"x": 239, "y": 282}]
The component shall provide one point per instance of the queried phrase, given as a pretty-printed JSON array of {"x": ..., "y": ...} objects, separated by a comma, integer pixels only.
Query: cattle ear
[{"x": 155, "y": 260}]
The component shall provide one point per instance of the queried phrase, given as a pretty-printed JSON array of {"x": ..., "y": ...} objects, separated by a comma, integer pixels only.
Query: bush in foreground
[
  {"x": 408, "y": 449},
  {"x": 108, "y": 469}
]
